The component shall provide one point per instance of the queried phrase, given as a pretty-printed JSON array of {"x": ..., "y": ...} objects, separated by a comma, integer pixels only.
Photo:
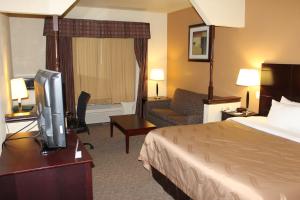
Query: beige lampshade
[
  {"x": 248, "y": 77},
  {"x": 18, "y": 89},
  {"x": 157, "y": 74}
]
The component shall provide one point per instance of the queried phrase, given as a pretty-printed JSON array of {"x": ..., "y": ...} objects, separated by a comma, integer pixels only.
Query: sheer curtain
[{"x": 105, "y": 68}]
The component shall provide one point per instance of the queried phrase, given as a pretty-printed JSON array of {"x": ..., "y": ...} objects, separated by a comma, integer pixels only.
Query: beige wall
[
  {"x": 271, "y": 35},
  {"x": 181, "y": 72},
  {"x": 5, "y": 73}
]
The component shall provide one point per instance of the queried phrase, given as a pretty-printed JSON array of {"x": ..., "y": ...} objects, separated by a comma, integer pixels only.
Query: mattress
[{"x": 226, "y": 160}]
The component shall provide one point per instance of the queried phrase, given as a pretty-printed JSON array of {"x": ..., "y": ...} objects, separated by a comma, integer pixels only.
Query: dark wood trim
[
  {"x": 211, "y": 65},
  {"x": 278, "y": 80},
  {"x": 219, "y": 100},
  {"x": 209, "y": 45}
]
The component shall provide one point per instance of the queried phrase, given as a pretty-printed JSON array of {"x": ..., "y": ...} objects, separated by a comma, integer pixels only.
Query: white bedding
[{"x": 260, "y": 123}]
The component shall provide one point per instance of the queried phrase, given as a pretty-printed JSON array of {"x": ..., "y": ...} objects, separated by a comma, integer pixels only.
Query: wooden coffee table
[{"x": 130, "y": 125}]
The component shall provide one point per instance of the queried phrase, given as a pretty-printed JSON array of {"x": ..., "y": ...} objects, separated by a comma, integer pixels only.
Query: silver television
[{"x": 50, "y": 109}]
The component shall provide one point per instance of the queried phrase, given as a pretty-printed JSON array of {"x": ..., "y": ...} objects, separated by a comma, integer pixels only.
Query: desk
[
  {"x": 26, "y": 174},
  {"x": 18, "y": 120}
]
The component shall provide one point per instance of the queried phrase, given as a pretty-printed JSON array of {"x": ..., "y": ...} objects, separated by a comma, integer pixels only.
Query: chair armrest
[{"x": 161, "y": 103}]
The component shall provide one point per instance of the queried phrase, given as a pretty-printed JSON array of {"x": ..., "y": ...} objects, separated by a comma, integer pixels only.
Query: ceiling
[
  {"x": 143, "y": 5},
  {"x": 35, "y": 7}
]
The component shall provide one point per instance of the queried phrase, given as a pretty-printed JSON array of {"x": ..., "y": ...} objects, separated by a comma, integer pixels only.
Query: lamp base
[
  {"x": 247, "y": 112},
  {"x": 19, "y": 107},
  {"x": 247, "y": 99}
]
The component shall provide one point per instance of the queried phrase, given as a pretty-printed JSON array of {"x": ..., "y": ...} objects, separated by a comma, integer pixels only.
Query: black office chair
[{"x": 78, "y": 124}]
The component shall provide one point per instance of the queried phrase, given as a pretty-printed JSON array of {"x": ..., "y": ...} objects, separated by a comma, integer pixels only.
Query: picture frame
[{"x": 199, "y": 47}]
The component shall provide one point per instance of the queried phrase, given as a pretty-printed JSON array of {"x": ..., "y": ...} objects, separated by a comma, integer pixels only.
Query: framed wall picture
[{"x": 199, "y": 43}]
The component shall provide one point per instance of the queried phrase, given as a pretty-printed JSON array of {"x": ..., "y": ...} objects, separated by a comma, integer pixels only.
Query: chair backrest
[
  {"x": 83, "y": 100},
  {"x": 187, "y": 103}
]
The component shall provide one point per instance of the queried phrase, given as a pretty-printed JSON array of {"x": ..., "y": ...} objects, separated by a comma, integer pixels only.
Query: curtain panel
[
  {"x": 66, "y": 67},
  {"x": 141, "y": 52},
  {"x": 69, "y": 28},
  {"x": 107, "y": 63}
]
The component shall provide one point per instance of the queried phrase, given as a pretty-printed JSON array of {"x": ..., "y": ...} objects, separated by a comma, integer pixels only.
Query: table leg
[
  {"x": 127, "y": 143},
  {"x": 111, "y": 128}
]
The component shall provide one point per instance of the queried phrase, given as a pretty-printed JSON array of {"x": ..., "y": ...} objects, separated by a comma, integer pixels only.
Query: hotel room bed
[
  {"x": 225, "y": 160},
  {"x": 238, "y": 159}
]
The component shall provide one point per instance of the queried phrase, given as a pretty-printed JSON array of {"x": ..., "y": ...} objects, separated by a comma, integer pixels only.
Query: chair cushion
[
  {"x": 187, "y": 102},
  {"x": 162, "y": 113},
  {"x": 174, "y": 118}
]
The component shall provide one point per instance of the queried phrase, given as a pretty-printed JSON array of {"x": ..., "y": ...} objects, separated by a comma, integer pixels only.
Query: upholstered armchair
[{"x": 185, "y": 107}]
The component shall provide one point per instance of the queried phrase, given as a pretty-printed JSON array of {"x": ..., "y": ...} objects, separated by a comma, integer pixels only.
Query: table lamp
[
  {"x": 18, "y": 91},
  {"x": 157, "y": 74},
  {"x": 248, "y": 77}
]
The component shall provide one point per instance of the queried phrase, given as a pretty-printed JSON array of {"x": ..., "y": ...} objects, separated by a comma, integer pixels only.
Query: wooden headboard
[{"x": 278, "y": 80}]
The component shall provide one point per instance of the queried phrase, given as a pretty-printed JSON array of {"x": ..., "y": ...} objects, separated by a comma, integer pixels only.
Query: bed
[{"x": 241, "y": 158}]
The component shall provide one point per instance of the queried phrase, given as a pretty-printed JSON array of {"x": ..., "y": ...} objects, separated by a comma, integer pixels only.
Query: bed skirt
[{"x": 168, "y": 186}]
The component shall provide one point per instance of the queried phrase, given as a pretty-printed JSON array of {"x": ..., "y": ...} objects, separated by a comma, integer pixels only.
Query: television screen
[{"x": 50, "y": 109}]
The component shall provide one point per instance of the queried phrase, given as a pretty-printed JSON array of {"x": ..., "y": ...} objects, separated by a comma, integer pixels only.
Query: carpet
[{"x": 118, "y": 175}]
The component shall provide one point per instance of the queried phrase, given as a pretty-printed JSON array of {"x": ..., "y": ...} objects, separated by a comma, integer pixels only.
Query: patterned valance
[{"x": 98, "y": 29}]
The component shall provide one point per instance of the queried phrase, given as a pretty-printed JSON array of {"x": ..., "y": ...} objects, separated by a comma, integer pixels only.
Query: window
[{"x": 105, "y": 68}]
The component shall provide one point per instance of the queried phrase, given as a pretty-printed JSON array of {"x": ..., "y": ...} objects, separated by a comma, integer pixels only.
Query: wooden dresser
[{"x": 26, "y": 174}]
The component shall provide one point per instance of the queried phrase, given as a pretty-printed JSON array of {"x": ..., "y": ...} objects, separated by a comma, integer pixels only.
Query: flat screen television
[{"x": 50, "y": 109}]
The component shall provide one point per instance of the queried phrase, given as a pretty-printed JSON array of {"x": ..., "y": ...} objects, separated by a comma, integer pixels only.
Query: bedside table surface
[
  {"x": 20, "y": 116},
  {"x": 239, "y": 114},
  {"x": 228, "y": 114},
  {"x": 160, "y": 98}
]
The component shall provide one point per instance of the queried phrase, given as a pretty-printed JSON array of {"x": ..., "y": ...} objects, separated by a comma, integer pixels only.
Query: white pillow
[
  {"x": 287, "y": 101},
  {"x": 284, "y": 116}
]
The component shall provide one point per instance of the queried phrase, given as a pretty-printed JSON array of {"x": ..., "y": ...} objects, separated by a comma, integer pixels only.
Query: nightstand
[
  {"x": 228, "y": 114},
  {"x": 156, "y": 99}
]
